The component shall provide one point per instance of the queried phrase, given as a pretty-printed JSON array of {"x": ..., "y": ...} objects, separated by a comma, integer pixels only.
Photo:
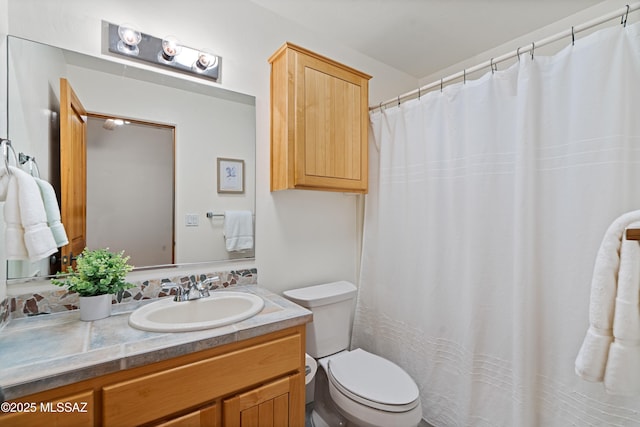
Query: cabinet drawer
[
  {"x": 150, "y": 397},
  {"x": 205, "y": 417}
]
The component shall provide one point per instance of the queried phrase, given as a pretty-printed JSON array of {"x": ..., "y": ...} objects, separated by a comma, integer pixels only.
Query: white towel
[
  {"x": 53, "y": 212},
  {"x": 27, "y": 234},
  {"x": 610, "y": 347},
  {"x": 238, "y": 230},
  {"x": 14, "y": 232},
  {"x": 623, "y": 369}
]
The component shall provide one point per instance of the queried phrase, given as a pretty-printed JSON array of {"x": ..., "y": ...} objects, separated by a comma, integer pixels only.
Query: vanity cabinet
[
  {"x": 63, "y": 410},
  {"x": 229, "y": 385},
  {"x": 319, "y": 123}
]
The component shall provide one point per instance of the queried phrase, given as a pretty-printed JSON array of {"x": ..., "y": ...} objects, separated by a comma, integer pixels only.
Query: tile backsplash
[
  {"x": 4, "y": 312},
  {"x": 54, "y": 301}
]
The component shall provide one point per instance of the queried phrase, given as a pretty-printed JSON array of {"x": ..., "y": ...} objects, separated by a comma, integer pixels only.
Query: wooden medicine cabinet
[{"x": 319, "y": 123}]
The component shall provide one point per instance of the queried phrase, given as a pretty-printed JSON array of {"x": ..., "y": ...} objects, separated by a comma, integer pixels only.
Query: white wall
[
  {"x": 4, "y": 29},
  {"x": 302, "y": 237},
  {"x": 577, "y": 19}
]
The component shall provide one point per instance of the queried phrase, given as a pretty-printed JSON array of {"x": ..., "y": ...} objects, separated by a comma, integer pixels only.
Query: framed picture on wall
[{"x": 230, "y": 175}]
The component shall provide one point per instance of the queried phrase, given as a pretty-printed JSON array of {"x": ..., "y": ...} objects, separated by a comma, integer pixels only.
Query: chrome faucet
[{"x": 194, "y": 290}]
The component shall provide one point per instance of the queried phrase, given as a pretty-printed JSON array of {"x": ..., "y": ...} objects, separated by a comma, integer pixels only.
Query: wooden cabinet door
[
  {"x": 276, "y": 404},
  {"x": 331, "y": 126}
]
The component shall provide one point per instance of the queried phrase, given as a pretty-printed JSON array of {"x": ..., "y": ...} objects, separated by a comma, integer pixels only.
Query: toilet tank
[{"x": 332, "y": 308}]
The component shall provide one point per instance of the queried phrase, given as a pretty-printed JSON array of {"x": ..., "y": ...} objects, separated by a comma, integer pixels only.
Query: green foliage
[{"x": 97, "y": 272}]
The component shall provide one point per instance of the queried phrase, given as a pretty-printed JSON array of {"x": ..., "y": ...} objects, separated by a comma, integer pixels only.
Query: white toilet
[{"x": 351, "y": 387}]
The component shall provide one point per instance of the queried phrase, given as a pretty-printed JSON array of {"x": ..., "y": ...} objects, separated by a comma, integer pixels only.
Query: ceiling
[{"x": 421, "y": 37}]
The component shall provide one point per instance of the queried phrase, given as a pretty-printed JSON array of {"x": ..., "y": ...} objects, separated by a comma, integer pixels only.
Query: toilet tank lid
[{"x": 317, "y": 295}]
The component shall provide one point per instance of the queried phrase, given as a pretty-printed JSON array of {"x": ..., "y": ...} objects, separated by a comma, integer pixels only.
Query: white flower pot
[{"x": 96, "y": 307}]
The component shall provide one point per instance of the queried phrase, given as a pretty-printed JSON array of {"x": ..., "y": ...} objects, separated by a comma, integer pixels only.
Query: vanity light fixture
[
  {"x": 205, "y": 61},
  {"x": 168, "y": 52},
  {"x": 129, "y": 38},
  {"x": 170, "y": 48}
]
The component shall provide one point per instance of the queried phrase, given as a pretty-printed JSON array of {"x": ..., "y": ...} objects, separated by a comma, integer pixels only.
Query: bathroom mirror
[{"x": 206, "y": 121}]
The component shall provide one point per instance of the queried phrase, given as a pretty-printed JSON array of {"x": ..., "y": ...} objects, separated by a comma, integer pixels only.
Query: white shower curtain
[{"x": 487, "y": 205}]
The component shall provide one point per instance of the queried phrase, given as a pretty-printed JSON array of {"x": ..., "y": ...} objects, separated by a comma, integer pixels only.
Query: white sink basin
[{"x": 219, "y": 309}]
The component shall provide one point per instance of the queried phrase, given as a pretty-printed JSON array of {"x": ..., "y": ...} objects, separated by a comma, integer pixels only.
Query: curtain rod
[{"x": 619, "y": 13}]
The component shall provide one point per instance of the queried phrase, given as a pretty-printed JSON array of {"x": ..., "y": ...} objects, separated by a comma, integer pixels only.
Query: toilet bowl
[
  {"x": 351, "y": 387},
  {"x": 371, "y": 391}
]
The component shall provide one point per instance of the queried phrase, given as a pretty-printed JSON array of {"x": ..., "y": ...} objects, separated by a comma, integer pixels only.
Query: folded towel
[
  {"x": 27, "y": 233},
  {"x": 591, "y": 361},
  {"x": 623, "y": 369},
  {"x": 613, "y": 337},
  {"x": 238, "y": 230},
  {"x": 14, "y": 232},
  {"x": 53, "y": 212},
  {"x": 4, "y": 183}
]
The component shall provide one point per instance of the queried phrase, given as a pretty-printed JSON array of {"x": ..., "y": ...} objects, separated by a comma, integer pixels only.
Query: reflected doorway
[{"x": 130, "y": 188}]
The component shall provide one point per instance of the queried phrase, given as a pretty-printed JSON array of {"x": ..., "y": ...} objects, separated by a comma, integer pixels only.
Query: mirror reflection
[{"x": 192, "y": 125}]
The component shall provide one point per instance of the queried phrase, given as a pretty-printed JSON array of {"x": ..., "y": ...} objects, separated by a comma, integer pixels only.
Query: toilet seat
[{"x": 373, "y": 381}]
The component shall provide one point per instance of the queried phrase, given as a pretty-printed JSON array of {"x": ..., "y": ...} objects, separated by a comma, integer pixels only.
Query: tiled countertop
[{"x": 44, "y": 352}]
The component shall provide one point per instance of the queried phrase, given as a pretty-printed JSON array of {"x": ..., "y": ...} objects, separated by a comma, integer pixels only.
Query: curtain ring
[
  {"x": 573, "y": 37},
  {"x": 419, "y": 94},
  {"x": 533, "y": 47},
  {"x": 518, "y": 53},
  {"x": 380, "y": 106},
  {"x": 441, "y": 83},
  {"x": 464, "y": 76},
  {"x": 398, "y": 101},
  {"x": 623, "y": 20}
]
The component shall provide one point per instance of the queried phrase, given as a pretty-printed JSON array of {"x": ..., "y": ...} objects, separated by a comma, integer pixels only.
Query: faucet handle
[
  {"x": 167, "y": 286},
  {"x": 203, "y": 285},
  {"x": 205, "y": 282}
]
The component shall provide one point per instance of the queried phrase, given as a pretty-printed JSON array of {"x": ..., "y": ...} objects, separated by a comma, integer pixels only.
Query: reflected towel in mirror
[
  {"x": 238, "y": 231},
  {"x": 53, "y": 212},
  {"x": 27, "y": 233}
]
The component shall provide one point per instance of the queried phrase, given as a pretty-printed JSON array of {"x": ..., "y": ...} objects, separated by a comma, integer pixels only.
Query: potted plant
[{"x": 99, "y": 273}]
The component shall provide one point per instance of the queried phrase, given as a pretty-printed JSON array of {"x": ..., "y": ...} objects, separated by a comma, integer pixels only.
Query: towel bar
[{"x": 211, "y": 214}]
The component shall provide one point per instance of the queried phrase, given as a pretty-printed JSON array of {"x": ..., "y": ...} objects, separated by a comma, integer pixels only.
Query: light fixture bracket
[{"x": 150, "y": 51}]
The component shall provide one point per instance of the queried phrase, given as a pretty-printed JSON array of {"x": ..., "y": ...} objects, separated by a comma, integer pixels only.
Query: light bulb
[
  {"x": 206, "y": 60},
  {"x": 170, "y": 48},
  {"x": 129, "y": 39}
]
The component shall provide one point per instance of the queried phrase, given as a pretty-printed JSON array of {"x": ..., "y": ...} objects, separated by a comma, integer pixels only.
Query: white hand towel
[
  {"x": 238, "y": 230},
  {"x": 53, "y": 212},
  {"x": 609, "y": 344},
  {"x": 14, "y": 232},
  {"x": 27, "y": 233},
  {"x": 623, "y": 369},
  {"x": 4, "y": 184}
]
